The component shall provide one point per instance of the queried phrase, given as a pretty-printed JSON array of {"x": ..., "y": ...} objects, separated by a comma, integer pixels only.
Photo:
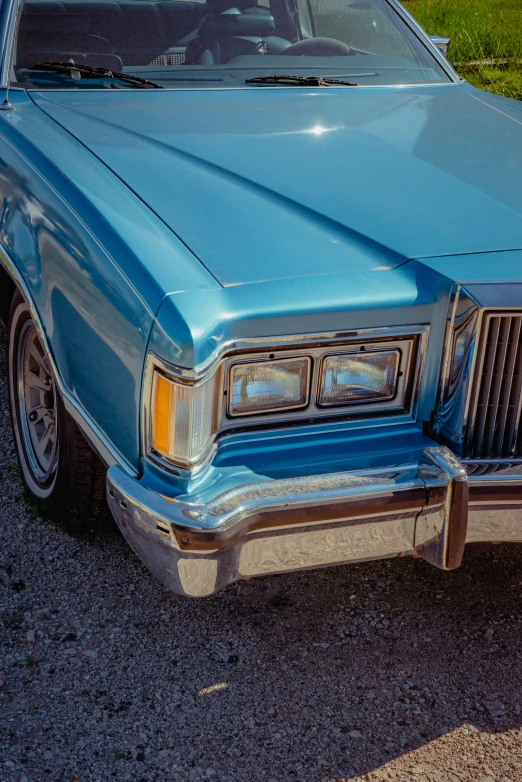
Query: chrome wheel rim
[{"x": 37, "y": 403}]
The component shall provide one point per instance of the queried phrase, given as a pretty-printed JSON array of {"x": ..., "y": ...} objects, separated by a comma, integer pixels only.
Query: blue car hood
[{"x": 272, "y": 183}]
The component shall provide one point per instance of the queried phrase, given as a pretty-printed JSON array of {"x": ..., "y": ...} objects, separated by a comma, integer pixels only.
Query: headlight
[
  {"x": 187, "y": 410},
  {"x": 184, "y": 417},
  {"x": 269, "y": 386},
  {"x": 359, "y": 377}
]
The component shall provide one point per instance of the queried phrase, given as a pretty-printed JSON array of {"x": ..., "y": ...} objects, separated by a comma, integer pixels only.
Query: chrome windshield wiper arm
[
  {"x": 301, "y": 81},
  {"x": 96, "y": 73}
]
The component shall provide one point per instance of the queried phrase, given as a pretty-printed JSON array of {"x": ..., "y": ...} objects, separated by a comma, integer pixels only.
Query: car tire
[{"x": 62, "y": 474}]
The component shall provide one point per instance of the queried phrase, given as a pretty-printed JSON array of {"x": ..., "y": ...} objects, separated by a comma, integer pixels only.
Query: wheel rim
[{"x": 37, "y": 401}]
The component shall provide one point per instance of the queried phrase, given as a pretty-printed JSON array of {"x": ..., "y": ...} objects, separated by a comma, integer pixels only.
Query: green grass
[
  {"x": 479, "y": 30},
  {"x": 506, "y": 82}
]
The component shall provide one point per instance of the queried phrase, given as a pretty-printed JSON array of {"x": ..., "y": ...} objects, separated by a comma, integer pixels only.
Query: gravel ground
[{"x": 388, "y": 670}]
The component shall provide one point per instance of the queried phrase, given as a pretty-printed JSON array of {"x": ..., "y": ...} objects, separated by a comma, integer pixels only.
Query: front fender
[{"x": 94, "y": 264}]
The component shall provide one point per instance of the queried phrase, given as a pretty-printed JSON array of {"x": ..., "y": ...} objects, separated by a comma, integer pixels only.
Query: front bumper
[{"x": 429, "y": 509}]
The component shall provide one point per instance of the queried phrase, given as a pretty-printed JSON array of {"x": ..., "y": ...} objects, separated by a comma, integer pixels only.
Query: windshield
[{"x": 178, "y": 43}]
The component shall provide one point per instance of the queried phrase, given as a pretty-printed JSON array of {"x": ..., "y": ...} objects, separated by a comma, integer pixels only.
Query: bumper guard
[{"x": 276, "y": 526}]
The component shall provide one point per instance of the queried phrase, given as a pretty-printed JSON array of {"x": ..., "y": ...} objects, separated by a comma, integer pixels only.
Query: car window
[
  {"x": 364, "y": 25},
  {"x": 177, "y": 43}
]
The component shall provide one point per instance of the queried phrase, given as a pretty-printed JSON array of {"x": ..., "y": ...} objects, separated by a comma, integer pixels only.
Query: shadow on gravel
[
  {"x": 313, "y": 676},
  {"x": 373, "y": 661}
]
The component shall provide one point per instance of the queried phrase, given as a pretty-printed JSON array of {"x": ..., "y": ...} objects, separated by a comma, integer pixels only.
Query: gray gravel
[{"x": 388, "y": 670}]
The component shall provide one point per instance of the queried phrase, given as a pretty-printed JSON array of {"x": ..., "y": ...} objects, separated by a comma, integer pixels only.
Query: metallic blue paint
[
  {"x": 318, "y": 449},
  {"x": 96, "y": 262},
  {"x": 297, "y": 183},
  {"x": 175, "y": 221}
]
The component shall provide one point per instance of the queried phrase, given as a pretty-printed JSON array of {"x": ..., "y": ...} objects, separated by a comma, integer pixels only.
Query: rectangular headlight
[
  {"x": 359, "y": 377},
  {"x": 184, "y": 417},
  {"x": 268, "y": 386}
]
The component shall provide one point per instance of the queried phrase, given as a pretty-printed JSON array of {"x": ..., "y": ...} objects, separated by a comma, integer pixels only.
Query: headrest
[
  {"x": 47, "y": 7},
  {"x": 236, "y": 24},
  {"x": 218, "y": 6},
  {"x": 59, "y": 23}
]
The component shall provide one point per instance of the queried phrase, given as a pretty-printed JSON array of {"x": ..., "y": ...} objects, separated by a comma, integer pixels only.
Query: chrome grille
[
  {"x": 487, "y": 469},
  {"x": 495, "y": 430}
]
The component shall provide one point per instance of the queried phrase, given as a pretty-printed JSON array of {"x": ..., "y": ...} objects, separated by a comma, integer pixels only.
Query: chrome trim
[
  {"x": 92, "y": 432},
  {"x": 448, "y": 344},
  {"x": 183, "y": 473},
  {"x": 292, "y": 341},
  {"x": 498, "y": 523},
  {"x": 423, "y": 35},
  {"x": 196, "y": 550},
  {"x": 475, "y": 373},
  {"x": 452, "y": 414},
  {"x": 407, "y": 348},
  {"x": 407, "y": 86},
  {"x": 8, "y": 44},
  {"x": 441, "y": 527},
  {"x": 475, "y": 388},
  {"x": 218, "y": 519},
  {"x": 462, "y": 308},
  {"x": 478, "y": 315},
  {"x": 518, "y": 417},
  {"x": 456, "y": 413},
  {"x": 287, "y": 346},
  {"x": 487, "y": 471},
  {"x": 272, "y": 526}
]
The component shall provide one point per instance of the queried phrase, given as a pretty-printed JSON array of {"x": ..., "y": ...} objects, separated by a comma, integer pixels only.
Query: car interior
[{"x": 120, "y": 33}]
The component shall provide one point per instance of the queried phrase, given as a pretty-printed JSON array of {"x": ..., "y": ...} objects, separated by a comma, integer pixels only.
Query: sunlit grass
[
  {"x": 506, "y": 82},
  {"x": 479, "y": 30}
]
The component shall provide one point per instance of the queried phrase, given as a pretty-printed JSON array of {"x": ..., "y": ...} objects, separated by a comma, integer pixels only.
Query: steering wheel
[{"x": 319, "y": 47}]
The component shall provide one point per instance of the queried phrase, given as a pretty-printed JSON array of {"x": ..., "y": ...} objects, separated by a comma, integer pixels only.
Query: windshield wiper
[
  {"x": 301, "y": 81},
  {"x": 96, "y": 73}
]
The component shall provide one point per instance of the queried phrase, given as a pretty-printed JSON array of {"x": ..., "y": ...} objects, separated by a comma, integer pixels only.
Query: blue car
[{"x": 261, "y": 272}]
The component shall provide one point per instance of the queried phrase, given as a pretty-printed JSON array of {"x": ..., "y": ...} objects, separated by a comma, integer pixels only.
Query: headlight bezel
[
  {"x": 411, "y": 341},
  {"x": 322, "y": 403},
  {"x": 410, "y": 347}
]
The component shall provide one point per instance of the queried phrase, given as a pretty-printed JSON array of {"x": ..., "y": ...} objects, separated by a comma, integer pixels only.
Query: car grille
[
  {"x": 495, "y": 430},
  {"x": 486, "y": 469}
]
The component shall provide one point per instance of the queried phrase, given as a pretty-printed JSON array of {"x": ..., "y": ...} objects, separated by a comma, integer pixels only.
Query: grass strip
[{"x": 480, "y": 30}]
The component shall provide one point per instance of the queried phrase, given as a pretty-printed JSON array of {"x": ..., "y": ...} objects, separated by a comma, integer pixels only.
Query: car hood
[{"x": 272, "y": 183}]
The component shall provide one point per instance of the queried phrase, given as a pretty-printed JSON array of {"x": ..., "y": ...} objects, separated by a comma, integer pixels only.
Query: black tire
[{"x": 62, "y": 474}]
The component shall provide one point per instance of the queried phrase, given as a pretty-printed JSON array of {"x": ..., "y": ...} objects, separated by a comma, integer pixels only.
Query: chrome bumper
[{"x": 430, "y": 509}]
